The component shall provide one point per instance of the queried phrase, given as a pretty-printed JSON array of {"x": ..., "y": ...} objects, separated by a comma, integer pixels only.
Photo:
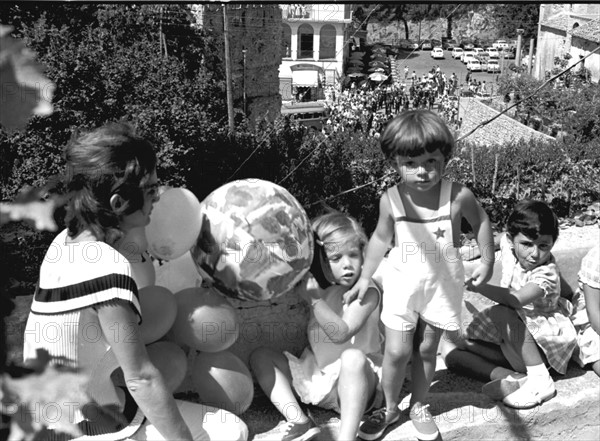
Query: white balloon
[
  {"x": 177, "y": 274},
  {"x": 174, "y": 224}
]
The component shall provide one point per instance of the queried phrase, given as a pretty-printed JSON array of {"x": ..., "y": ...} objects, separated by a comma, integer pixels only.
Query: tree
[
  {"x": 512, "y": 16},
  {"x": 107, "y": 63}
]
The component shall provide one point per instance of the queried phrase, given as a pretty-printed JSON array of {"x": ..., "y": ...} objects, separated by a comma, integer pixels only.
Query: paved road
[{"x": 421, "y": 62}]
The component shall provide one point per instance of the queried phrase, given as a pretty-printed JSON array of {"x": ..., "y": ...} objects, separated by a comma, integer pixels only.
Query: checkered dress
[
  {"x": 588, "y": 341},
  {"x": 547, "y": 318}
]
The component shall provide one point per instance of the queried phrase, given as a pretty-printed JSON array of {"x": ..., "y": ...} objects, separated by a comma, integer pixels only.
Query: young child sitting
[
  {"x": 530, "y": 326},
  {"x": 587, "y": 311},
  {"x": 338, "y": 370}
]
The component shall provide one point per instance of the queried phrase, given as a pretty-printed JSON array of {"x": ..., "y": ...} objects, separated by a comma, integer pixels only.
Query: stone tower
[{"x": 255, "y": 28}]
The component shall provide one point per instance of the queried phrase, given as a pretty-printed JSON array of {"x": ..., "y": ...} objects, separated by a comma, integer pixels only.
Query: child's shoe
[
  {"x": 502, "y": 387},
  {"x": 289, "y": 431},
  {"x": 532, "y": 393},
  {"x": 376, "y": 423},
  {"x": 423, "y": 421}
]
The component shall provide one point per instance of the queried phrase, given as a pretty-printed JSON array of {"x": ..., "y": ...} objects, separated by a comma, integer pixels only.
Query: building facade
[
  {"x": 572, "y": 29},
  {"x": 314, "y": 35}
]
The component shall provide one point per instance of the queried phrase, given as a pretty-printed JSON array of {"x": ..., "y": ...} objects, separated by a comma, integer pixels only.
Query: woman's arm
[
  {"x": 592, "y": 306},
  {"x": 342, "y": 328},
  {"x": 144, "y": 381}
]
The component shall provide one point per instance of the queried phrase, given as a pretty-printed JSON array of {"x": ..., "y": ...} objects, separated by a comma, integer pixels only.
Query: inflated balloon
[
  {"x": 205, "y": 320},
  {"x": 177, "y": 274},
  {"x": 170, "y": 360},
  {"x": 174, "y": 224},
  {"x": 159, "y": 310},
  {"x": 222, "y": 380},
  {"x": 255, "y": 242}
]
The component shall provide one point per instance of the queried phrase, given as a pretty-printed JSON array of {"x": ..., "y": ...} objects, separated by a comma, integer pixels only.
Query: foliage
[
  {"x": 107, "y": 66},
  {"x": 563, "y": 174},
  {"x": 569, "y": 103},
  {"x": 508, "y": 17}
]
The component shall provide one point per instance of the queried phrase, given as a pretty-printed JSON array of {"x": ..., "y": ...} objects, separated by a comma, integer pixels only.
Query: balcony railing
[{"x": 320, "y": 12}]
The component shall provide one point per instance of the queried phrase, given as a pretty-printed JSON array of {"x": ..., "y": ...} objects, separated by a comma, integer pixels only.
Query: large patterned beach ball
[{"x": 255, "y": 242}]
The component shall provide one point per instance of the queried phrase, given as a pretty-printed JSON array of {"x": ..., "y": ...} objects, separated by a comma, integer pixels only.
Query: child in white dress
[
  {"x": 338, "y": 370},
  {"x": 529, "y": 328}
]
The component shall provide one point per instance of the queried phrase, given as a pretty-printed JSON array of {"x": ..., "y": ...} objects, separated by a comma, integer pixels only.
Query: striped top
[{"x": 74, "y": 279}]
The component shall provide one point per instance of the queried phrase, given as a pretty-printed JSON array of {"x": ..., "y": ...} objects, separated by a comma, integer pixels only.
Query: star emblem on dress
[{"x": 439, "y": 233}]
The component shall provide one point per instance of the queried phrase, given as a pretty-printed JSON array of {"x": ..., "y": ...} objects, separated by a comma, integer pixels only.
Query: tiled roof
[
  {"x": 589, "y": 31},
  {"x": 560, "y": 22},
  {"x": 502, "y": 131}
]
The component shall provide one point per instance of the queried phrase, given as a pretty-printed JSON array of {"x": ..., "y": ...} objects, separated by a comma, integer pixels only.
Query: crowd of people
[{"x": 366, "y": 106}]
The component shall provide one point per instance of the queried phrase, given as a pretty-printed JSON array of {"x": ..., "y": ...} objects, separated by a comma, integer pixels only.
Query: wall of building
[
  {"x": 583, "y": 47},
  {"x": 550, "y": 43},
  {"x": 257, "y": 29}
]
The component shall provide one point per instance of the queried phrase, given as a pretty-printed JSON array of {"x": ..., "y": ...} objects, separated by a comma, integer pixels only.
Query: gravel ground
[{"x": 574, "y": 237}]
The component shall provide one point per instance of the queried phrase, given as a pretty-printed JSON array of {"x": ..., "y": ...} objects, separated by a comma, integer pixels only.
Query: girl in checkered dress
[{"x": 529, "y": 329}]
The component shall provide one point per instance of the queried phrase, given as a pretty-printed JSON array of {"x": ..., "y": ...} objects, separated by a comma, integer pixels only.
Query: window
[
  {"x": 305, "y": 41},
  {"x": 327, "y": 42},
  {"x": 286, "y": 41}
]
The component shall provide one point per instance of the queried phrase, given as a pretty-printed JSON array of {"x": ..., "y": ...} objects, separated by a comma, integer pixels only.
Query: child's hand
[
  {"x": 357, "y": 291},
  {"x": 309, "y": 289},
  {"x": 481, "y": 275}
]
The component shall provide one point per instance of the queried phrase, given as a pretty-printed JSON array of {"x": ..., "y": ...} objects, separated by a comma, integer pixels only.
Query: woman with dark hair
[{"x": 86, "y": 312}]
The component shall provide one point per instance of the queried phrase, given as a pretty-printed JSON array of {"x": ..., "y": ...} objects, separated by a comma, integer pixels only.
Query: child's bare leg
[
  {"x": 398, "y": 348},
  {"x": 356, "y": 385},
  {"x": 273, "y": 374},
  {"x": 425, "y": 345},
  {"x": 596, "y": 367},
  {"x": 478, "y": 359}
]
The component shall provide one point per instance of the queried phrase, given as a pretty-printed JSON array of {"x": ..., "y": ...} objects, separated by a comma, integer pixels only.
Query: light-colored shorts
[{"x": 409, "y": 294}]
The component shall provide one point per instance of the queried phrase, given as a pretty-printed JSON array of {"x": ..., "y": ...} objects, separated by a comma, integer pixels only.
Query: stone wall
[{"x": 257, "y": 29}]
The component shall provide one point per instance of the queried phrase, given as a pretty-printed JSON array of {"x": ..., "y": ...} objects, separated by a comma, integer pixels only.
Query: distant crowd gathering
[
  {"x": 367, "y": 106},
  {"x": 381, "y": 308}
]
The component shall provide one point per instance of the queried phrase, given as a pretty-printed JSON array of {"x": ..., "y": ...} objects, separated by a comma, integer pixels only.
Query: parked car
[
  {"x": 467, "y": 45},
  {"x": 457, "y": 52},
  {"x": 466, "y": 56},
  {"x": 493, "y": 52},
  {"x": 493, "y": 66},
  {"x": 508, "y": 54},
  {"x": 501, "y": 44},
  {"x": 437, "y": 53},
  {"x": 474, "y": 65},
  {"x": 525, "y": 60},
  {"x": 426, "y": 45},
  {"x": 436, "y": 43},
  {"x": 478, "y": 51},
  {"x": 412, "y": 45},
  {"x": 404, "y": 44},
  {"x": 449, "y": 44}
]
